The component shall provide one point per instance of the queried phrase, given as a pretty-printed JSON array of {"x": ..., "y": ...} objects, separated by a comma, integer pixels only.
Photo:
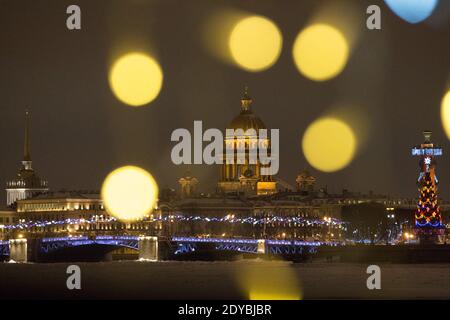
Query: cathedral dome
[{"x": 246, "y": 119}]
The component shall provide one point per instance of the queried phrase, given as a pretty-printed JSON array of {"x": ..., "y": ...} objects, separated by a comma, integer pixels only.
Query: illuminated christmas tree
[
  {"x": 428, "y": 216},
  {"x": 428, "y": 213}
]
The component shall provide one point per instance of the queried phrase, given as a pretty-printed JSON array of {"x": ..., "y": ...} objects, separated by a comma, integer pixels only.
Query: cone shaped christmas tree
[{"x": 428, "y": 219}]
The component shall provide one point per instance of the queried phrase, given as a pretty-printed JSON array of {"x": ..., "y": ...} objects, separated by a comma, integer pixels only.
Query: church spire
[
  {"x": 27, "y": 183},
  {"x": 246, "y": 100},
  {"x": 26, "y": 145}
]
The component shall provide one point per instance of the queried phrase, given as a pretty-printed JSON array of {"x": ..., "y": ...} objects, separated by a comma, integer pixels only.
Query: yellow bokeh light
[
  {"x": 129, "y": 193},
  {"x": 329, "y": 144},
  {"x": 445, "y": 113},
  {"x": 255, "y": 43},
  {"x": 136, "y": 79},
  {"x": 320, "y": 52},
  {"x": 272, "y": 281},
  {"x": 273, "y": 294}
]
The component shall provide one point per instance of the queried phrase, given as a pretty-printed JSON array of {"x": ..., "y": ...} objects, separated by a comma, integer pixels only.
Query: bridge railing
[
  {"x": 117, "y": 238},
  {"x": 81, "y": 238},
  {"x": 215, "y": 240},
  {"x": 255, "y": 241},
  {"x": 301, "y": 243}
]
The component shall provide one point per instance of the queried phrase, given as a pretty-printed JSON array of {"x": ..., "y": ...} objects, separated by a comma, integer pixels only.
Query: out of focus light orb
[
  {"x": 329, "y": 144},
  {"x": 277, "y": 281},
  {"x": 445, "y": 113},
  {"x": 412, "y": 11},
  {"x": 273, "y": 293},
  {"x": 129, "y": 193},
  {"x": 136, "y": 79},
  {"x": 320, "y": 52},
  {"x": 255, "y": 43}
]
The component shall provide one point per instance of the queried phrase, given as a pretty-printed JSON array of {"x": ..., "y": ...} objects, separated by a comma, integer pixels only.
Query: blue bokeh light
[{"x": 413, "y": 11}]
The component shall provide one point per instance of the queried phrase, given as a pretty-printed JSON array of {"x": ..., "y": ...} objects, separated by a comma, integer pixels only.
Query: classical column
[
  {"x": 18, "y": 250},
  {"x": 148, "y": 248}
]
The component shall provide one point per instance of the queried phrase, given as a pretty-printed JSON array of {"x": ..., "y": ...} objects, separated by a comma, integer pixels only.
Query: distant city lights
[{"x": 180, "y": 218}]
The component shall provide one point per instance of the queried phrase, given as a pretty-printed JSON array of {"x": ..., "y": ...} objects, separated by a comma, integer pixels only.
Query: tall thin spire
[
  {"x": 427, "y": 135},
  {"x": 26, "y": 144},
  {"x": 246, "y": 100}
]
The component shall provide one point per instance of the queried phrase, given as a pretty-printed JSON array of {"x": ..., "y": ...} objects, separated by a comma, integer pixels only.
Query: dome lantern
[
  {"x": 246, "y": 118},
  {"x": 246, "y": 100}
]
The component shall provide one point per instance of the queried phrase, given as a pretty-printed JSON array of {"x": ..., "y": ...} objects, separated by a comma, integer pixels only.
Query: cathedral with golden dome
[
  {"x": 245, "y": 178},
  {"x": 247, "y": 202}
]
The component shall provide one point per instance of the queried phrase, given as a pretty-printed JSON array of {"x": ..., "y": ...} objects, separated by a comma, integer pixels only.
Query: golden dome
[{"x": 246, "y": 119}]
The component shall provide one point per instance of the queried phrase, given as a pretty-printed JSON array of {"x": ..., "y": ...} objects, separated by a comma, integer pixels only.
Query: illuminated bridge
[
  {"x": 261, "y": 246},
  {"x": 149, "y": 247},
  {"x": 4, "y": 248},
  {"x": 23, "y": 250},
  {"x": 52, "y": 244}
]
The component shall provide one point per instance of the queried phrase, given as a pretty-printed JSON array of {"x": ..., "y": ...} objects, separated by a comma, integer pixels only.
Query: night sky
[{"x": 393, "y": 83}]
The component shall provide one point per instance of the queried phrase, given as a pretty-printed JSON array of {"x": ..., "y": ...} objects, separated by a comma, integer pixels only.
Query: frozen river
[{"x": 224, "y": 280}]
